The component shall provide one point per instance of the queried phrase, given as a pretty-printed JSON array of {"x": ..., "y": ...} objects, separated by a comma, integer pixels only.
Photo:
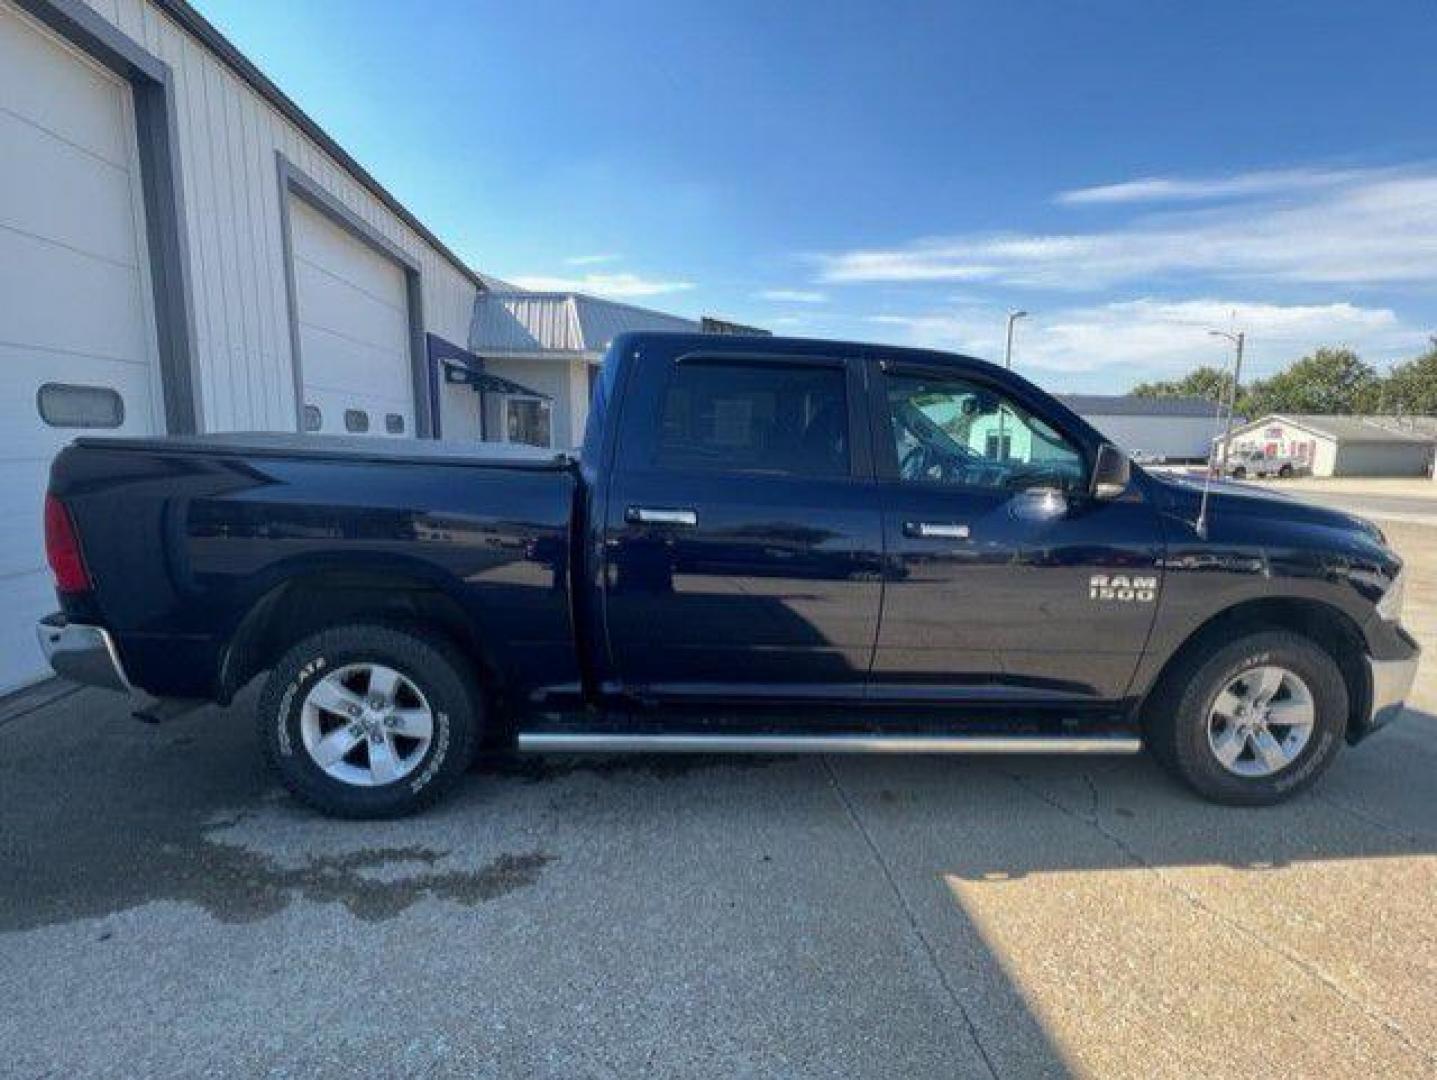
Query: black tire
[
  {"x": 1239, "y": 473},
  {"x": 1284, "y": 472},
  {"x": 1177, "y": 722},
  {"x": 429, "y": 663}
]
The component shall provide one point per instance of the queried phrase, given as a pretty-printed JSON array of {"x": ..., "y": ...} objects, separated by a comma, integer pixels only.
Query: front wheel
[
  {"x": 1254, "y": 721},
  {"x": 369, "y": 720},
  {"x": 1285, "y": 472},
  {"x": 1239, "y": 473}
]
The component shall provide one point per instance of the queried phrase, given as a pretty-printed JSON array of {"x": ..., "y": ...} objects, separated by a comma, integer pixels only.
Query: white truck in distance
[{"x": 1241, "y": 464}]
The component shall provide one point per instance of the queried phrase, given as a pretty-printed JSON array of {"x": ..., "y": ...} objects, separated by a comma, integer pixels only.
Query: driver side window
[{"x": 950, "y": 431}]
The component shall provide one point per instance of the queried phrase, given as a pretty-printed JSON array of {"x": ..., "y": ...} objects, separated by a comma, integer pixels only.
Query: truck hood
[{"x": 1183, "y": 495}]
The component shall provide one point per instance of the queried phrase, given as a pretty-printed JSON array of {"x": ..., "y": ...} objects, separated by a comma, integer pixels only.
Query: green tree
[
  {"x": 1411, "y": 387},
  {"x": 1209, "y": 383},
  {"x": 1326, "y": 381}
]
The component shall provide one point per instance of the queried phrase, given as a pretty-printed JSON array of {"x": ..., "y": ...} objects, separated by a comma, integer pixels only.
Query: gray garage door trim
[
  {"x": 294, "y": 182},
  {"x": 160, "y": 187}
]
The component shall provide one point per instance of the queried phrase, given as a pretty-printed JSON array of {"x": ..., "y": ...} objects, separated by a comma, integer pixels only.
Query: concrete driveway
[{"x": 165, "y": 910}]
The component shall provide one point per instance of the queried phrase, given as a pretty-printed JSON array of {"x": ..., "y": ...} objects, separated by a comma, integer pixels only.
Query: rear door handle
[
  {"x": 660, "y": 515},
  {"x": 935, "y": 530}
]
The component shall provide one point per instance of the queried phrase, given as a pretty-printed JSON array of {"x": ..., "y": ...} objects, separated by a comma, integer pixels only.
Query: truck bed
[
  {"x": 188, "y": 536},
  {"x": 270, "y": 444}
]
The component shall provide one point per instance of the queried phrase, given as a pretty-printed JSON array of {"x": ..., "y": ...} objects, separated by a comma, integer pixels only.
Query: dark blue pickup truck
[{"x": 765, "y": 545}]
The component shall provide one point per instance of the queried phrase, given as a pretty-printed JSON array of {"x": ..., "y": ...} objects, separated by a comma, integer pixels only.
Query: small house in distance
[{"x": 1345, "y": 445}]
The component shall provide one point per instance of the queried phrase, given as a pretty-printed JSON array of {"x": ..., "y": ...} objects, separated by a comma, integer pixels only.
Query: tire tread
[{"x": 417, "y": 650}]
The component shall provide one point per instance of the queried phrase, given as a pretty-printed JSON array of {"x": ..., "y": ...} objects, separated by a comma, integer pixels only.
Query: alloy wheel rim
[
  {"x": 366, "y": 725},
  {"x": 1261, "y": 721}
]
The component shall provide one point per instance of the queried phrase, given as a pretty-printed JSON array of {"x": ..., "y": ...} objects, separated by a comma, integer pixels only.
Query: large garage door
[
  {"x": 353, "y": 315},
  {"x": 77, "y": 348}
]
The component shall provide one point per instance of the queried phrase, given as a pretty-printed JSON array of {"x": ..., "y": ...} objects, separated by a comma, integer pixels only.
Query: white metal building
[
  {"x": 1172, "y": 428},
  {"x": 182, "y": 249},
  {"x": 552, "y": 342},
  {"x": 1346, "y": 445}
]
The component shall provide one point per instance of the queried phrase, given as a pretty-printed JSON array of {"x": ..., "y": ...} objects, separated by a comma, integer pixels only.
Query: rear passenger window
[
  {"x": 313, "y": 418},
  {"x": 756, "y": 417},
  {"x": 65, "y": 406},
  {"x": 394, "y": 423},
  {"x": 356, "y": 420}
]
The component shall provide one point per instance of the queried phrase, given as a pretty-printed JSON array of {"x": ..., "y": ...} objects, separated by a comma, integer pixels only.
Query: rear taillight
[{"x": 62, "y": 549}]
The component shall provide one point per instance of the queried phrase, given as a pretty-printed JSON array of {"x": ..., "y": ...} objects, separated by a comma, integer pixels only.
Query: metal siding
[
  {"x": 1128, "y": 405},
  {"x": 1382, "y": 459},
  {"x": 559, "y": 323},
  {"x": 578, "y": 401},
  {"x": 228, "y": 135},
  {"x": 600, "y": 321},
  {"x": 352, "y": 317},
  {"x": 1324, "y": 457},
  {"x": 1170, "y": 436},
  {"x": 74, "y": 298},
  {"x": 518, "y": 323}
]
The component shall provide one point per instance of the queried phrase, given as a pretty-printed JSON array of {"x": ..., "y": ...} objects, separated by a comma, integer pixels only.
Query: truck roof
[{"x": 766, "y": 345}]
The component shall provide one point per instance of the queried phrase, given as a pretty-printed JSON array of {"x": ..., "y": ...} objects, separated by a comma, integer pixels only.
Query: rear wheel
[
  {"x": 1239, "y": 473},
  {"x": 1285, "y": 471},
  {"x": 1254, "y": 721},
  {"x": 369, "y": 720}
]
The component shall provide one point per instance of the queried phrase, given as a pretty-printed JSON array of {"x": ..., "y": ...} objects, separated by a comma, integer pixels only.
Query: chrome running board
[{"x": 592, "y": 742}]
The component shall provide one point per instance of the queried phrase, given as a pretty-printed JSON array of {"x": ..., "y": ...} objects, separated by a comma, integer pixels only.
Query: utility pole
[{"x": 1238, "y": 340}]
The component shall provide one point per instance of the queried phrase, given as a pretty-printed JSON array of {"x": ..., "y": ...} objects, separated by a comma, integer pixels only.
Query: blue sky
[{"x": 1132, "y": 174}]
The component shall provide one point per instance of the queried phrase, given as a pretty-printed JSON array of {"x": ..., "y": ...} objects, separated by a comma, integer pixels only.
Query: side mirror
[{"x": 1111, "y": 473}]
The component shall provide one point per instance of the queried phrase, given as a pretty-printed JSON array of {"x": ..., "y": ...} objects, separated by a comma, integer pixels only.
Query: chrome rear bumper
[{"x": 85, "y": 654}]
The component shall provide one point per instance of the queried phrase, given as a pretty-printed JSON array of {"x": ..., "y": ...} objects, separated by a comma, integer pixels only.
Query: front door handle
[
  {"x": 660, "y": 515},
  {"x": 935, "y": 530}
]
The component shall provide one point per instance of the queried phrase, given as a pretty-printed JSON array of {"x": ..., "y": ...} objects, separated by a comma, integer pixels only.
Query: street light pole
[
  {"x": 1238, "y": 339},
  {"x": 1013, "y": 316}
]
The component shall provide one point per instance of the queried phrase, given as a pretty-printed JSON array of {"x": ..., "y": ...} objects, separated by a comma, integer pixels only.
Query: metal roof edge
[
  {"x": 540, "y": 354},
  {"x": 195, "y": 24},
  {"x": 1380, "y": 435},
  {"x": 1267, "y": 418},
  {"x": 588, "y": 298}
]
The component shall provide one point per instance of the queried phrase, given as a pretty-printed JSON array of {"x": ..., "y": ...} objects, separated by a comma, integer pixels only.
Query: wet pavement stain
[
  {"x": 236, "y": 885},
  {"x": 104, "y": 818},
  {"x": 341, "y": 879}
]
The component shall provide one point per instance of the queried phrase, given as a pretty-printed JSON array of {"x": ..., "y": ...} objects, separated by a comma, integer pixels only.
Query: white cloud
[
  {"x": 620, "y": 286},
  {"x": 1381, "y": 227},
  {"x": 1147, "y": 338},
  {"x": 1195, "y": 189},
  {"x": 592, "y": 260},
  {"x": 793, "y": 296}
]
